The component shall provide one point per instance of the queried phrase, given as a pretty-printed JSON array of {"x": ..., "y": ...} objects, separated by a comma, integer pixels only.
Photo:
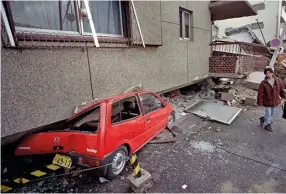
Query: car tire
[
  {"x": 171, "y": 118},
  {"x": 117, "y": 163}
]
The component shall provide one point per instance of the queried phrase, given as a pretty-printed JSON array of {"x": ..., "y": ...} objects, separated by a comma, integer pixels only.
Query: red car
[{"x": 106, "y": 132}]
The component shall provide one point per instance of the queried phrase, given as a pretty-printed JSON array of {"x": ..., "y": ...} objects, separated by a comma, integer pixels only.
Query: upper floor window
[
  {"x": 65, "y": 16},
  {"x": 186, "y": 20}
]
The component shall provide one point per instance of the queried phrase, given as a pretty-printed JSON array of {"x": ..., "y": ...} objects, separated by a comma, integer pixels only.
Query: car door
[
  {"x": 124, "y": 129},
  {"x": 155, "y": 114}
]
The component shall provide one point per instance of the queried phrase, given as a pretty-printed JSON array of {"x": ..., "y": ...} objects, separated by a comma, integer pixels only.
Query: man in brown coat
[{"x": 269, "y": 93}]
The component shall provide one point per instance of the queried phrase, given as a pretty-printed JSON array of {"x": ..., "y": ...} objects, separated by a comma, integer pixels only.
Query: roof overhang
[{"x": 222, "y": 10}]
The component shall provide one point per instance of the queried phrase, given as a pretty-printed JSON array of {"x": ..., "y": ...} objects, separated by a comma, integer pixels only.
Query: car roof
[
  {"x": 107, "y": 100},
  {"x": 118, "y": 97}
]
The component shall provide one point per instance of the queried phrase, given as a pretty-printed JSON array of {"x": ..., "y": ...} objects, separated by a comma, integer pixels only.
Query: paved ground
[{"x": 241, "y": 157}]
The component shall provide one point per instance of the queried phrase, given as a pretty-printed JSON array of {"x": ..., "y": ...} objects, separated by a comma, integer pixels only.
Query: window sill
[{"x": 185, "y": 39}]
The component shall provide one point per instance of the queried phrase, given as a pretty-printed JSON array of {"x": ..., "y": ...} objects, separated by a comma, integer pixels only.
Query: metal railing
[{"x": 237, "y": 48}]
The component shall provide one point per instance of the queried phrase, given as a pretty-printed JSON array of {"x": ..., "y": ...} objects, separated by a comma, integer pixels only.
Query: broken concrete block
[
  {"x": 251, "y": 101},
  {"x": 254, "y": 79},
  {"x": 225, "y": 96}
]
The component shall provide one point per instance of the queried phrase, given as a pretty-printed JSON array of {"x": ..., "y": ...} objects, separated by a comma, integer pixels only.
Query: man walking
[{"x": 269, "y": 93}]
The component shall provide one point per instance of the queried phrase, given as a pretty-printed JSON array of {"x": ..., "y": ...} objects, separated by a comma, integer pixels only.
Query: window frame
[
  {"x": 182, "y": 11},
  {"x": 126, "y": 120},
  {"x": 20, "y": 33},
  {"x": 162, "y": 106}
]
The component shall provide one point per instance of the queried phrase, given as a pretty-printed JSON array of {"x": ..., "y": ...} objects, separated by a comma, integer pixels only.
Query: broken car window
[
  {"x": 150, "y": 102},
  {"x": 89, "y": 121},
  {"x": 124, "y": 110}
]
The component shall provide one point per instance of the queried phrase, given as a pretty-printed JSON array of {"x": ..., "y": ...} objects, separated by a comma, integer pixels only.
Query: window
[
  {"x": 185, "y": 24},
  {"x": 125, "y": 109},
  {"x": 150, "y": 102},
  {"x": 88, "y": 121},
  {"x": 66, "y": 16},
  {"x": 106, "y": 16},
  {"x": 49, "y": 15}
]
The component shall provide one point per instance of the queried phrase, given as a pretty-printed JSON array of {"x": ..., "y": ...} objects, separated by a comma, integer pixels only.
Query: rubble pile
[
  {"x": 186, "y": 97},
  {"x": 280, "y": 67},
  {"x": 223, "y": 92}
]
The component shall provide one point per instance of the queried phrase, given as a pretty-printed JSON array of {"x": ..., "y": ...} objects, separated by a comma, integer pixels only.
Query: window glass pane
[
  {"x": 124, "y": 110},
  {"x": 52, "y": 15},
  {"x": 106, "y": 17},
  {"x": 68, "y": 16},
  {"x": 187, "y": 24},
  {"x": 116, "y": 113},
  {"x": 150, "y": 102}
]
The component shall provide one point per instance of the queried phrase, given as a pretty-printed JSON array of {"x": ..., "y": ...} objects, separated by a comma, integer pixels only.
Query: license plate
[{"x": 62, "y": 160}]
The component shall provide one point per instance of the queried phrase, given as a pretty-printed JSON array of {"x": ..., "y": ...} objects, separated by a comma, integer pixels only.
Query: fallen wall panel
[{"x": 214, "y": 111}]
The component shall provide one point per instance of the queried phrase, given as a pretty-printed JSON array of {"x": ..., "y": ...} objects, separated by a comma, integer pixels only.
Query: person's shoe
[
  {"x": 268, "y": 128},
  {"x": 261, "y": 121}
]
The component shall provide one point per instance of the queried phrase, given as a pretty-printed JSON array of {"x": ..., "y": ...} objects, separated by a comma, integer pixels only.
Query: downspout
[{"x": 278, "y": 18}]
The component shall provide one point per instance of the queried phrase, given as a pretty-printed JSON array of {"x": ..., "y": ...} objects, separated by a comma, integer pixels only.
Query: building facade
[
  {"x": 268, "y": 20},
  {"x": 47, "y": 73}
]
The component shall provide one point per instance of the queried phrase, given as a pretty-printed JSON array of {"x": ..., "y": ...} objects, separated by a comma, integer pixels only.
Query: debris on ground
[
  {"x": 203, "y": 146},
  {"x": 184, "y": 186},
  {"x": 4, "y": 170},
  {"x": 185, "y": 97},
  {"x": 171, "y": 140},
  {"x": 102, "y": 180},
  {"x": 250, "y": 101},
  {"x": 173, "y": 130},
  {"x": 220, "y": 91},
  {"x": 225, "y": 96},
  {"x": 217, "y": 129}
]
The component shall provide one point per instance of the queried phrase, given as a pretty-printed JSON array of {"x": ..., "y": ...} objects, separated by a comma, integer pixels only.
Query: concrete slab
[
  {"x": 254, "y": 79},
  {"x": 250, "y": 101},
  {"x": 225, "y": 96},
  {"x": 214, "y": 111}
]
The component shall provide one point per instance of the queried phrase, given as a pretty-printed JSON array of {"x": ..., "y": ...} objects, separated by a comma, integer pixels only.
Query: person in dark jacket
[{"x": 269, "y": 93}]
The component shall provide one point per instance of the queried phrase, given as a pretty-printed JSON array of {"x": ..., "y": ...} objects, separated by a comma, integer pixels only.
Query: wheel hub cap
[{"x": 118, "y": 162}]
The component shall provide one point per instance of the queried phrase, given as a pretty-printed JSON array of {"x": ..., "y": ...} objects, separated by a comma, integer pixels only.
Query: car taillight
[{"x": 89, "y": 161}]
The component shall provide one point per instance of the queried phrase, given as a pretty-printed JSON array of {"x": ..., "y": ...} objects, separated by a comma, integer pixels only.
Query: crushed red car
[{"x": 107, "y": 132}]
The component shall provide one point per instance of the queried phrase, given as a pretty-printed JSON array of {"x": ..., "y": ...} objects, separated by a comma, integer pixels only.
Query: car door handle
[{"x": 148, "y": 120}]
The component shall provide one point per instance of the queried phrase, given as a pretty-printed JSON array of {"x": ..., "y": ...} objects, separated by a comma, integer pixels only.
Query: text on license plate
[{"x": 62, "y": 160}]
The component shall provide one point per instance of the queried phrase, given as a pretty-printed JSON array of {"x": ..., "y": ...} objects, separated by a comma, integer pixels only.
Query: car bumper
[{"x": 99, "y": 165}]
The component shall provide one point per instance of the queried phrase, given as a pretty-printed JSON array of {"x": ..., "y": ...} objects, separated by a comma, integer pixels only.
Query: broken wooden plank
[
  {"x": 172, "y": 130},
  {"x": 163, "y": 141}
]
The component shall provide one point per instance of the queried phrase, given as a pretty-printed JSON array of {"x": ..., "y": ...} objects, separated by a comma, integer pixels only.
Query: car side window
[
  {"x": 150, "y": 102},
  {"x": 124, "y": 110}
]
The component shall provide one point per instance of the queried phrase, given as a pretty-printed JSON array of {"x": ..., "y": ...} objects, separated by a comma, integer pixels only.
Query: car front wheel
[
  {"x": 171, "y": 118},
  {"x": 117, "y": 162}
]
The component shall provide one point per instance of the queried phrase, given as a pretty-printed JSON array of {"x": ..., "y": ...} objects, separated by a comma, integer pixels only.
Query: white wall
[{"x": 268, "y": 16}]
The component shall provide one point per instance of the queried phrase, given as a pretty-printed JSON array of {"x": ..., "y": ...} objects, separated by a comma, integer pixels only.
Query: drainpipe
[{"x": 278, "y": 18}]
